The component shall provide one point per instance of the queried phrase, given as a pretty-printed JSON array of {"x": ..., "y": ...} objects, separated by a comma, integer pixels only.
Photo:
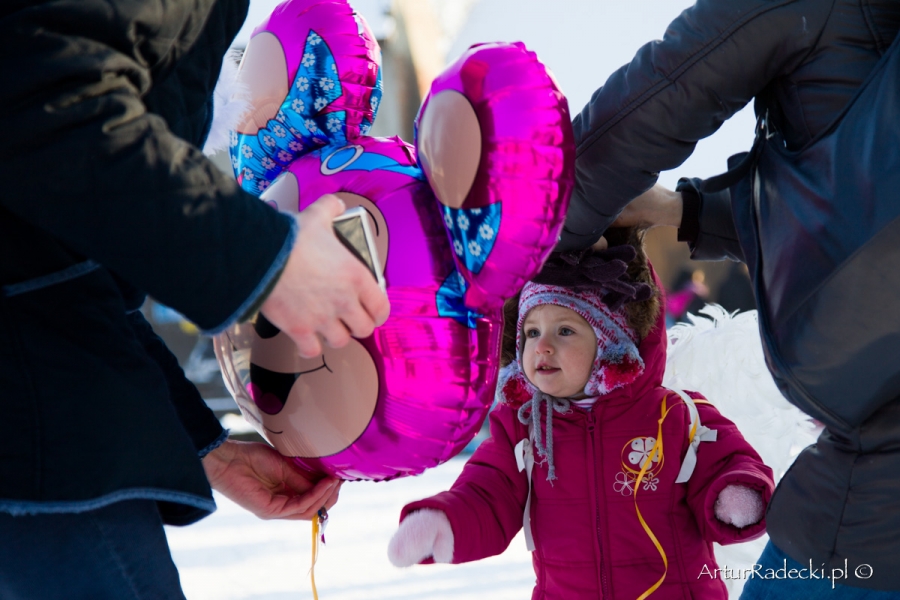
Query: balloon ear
[
  {"x": 313, "y": 71},
  {"x": 495, "y": 141}
]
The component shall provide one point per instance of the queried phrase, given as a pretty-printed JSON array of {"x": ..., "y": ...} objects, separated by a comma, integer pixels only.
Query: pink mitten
[
  {"x": 424, "y": 533},
  {"x": 739, "y": 506}
]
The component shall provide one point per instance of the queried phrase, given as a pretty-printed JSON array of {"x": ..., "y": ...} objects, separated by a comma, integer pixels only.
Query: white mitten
[
  {"x": 739, "y": 505},
  {"x": 424, "y": 533}
]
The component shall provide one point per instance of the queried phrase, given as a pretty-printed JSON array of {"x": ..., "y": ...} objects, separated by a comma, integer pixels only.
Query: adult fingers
[
  {"x": 305, "y": 506},
  {"x": 308, "y": 344},
  {"x": 374, "y": 302},
  {"x": 325, "y": 209}
]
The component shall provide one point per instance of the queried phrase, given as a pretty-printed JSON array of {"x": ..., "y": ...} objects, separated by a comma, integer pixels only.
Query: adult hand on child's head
[
  {"x": 739, "y": 505},
  {"x": 424, "y": 533},
  {"x": 258, "y": 478},
  {"x": 324, "y": 291},
  {"x": 658, "y": 206}
]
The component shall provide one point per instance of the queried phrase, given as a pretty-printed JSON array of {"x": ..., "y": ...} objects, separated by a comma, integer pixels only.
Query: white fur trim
[
  {"x": 230, "y": 103},
  {"x": 424, "y": 533}
]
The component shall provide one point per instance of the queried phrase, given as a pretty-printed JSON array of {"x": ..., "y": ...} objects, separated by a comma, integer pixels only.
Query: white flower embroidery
[
  {"x": 462, "y": 280},
  {"x": 640, "y": 452},
  {"x": 321, "y": 103},
  {"x": 650, "y": 483},
  {"x": 463, "y": 221},
  {"x": 284, "y": 155},
  {"x": 302, "y": 84},
  {"x": 279, "y": 131},
  {"x": 295, "y": 146},
  {"x": 248, "y": 174},
  {"x": 298, "y": 105},
  {"x": 474, "y": 248},
  {"x": 235, "y": 163},
  {"x": 364, "y": 128},
  {"x": 268, "y": 163},
  {"x": 334, "y": 125},
  {"x": 624, "y": 483},
  {"x": 280, "y": 116},
  {"x": 263, "y": 184},
  {"x": 268, "y": 140},
  {"x": 313, "y": 39},
  {"x": 326, "y": 83},
  {"x": 448, "y": 220},
  {"x": 311, "y": 125},
  {"x": 373, "y": 102},
  {"x": 458, "y": 247},
  {"x": 486, "y": 231},
  {"x": 475, "y": 211},
  {"x": 334, "y": 67},
  {"x": 233, "y": 139},
  {"x": 309, "y": 59}
]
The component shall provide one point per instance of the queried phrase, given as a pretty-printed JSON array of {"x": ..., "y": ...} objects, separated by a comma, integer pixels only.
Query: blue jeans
[
  {"x": 793, "y": 581},
  {"x": 118, "y": 552}
]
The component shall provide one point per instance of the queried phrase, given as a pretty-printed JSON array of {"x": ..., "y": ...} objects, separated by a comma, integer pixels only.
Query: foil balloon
[
  {"x": 493, "y": 137},
  {"x": 411, "y": 395},
  {"x": 313, "y": 72}
]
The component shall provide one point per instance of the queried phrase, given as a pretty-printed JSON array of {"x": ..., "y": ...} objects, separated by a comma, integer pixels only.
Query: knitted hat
[{"x": 617, "y": 362}]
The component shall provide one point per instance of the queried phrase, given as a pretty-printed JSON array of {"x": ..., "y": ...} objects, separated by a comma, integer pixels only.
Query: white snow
[{"x": 232, "y": 555}]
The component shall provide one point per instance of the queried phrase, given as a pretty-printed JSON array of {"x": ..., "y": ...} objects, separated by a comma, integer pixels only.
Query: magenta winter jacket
[{"x": 589, "y": 542}]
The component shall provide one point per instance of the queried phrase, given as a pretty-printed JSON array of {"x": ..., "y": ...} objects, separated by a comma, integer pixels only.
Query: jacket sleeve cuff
[
  {"x": 265, "y": 286},
  {"x": 707, "y": 224}
]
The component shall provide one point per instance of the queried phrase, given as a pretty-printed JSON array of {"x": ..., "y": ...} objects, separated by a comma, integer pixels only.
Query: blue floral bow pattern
[
  {"x": 451, "y": 302},
  {"x": 301, "y": 124},
  {"x": 473, "y": 232}
]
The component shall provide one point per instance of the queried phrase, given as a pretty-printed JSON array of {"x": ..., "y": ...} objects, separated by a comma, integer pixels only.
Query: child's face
[{"x": 559, "y": 352}]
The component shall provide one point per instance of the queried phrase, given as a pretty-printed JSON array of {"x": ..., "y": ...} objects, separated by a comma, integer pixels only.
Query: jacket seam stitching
[{"x": 675, "y": 75}]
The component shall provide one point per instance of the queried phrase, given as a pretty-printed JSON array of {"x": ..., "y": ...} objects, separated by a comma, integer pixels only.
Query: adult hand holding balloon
[
  {"x": 323, "y": 289},
  {"x": 412, "y": 394}
]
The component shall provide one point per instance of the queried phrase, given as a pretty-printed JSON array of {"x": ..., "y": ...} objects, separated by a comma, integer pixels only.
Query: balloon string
[
  {"x": 315, "y": 553},
  {"x": 318, "y": 524}
]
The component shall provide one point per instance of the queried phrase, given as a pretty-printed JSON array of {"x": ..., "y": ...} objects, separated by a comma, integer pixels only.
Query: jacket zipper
[{"x": 597, "y": 491}]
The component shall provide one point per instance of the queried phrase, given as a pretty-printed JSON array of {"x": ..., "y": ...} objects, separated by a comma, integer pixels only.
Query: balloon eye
[
  {"x": 269, "y": 389},
  {"x": 264, "y": 328}
]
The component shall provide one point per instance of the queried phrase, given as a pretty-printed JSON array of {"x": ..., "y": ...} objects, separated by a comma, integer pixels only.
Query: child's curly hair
[{"x": 642, "y": 315}]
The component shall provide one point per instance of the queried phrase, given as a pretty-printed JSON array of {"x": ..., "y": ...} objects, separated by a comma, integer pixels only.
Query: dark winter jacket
[
  {"x": 589, "y": 542},
  {"x": 105, "y": 196},
  {"x": 802, "y": 61}
]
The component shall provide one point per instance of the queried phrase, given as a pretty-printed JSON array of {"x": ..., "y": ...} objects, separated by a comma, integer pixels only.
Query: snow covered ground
[{"x": 232, "y": 555}]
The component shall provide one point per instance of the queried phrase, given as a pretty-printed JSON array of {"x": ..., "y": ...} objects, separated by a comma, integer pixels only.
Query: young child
[{"x": 621, "y": 485}]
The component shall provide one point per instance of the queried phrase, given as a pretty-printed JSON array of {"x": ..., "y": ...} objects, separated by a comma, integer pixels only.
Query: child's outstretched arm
[
  {"x": 483, "y": 509},
  {"x": 731, "y": 486}
]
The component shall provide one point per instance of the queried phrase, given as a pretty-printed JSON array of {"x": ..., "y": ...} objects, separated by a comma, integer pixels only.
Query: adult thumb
[{"x": 326, "y": 208}]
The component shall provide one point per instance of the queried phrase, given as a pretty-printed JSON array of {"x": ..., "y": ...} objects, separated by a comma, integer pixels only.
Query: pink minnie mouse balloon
[
  {"x": 494, "y": 136},
  {"x": 410, "y": 396},
  {"x": 313, "y": 75}
]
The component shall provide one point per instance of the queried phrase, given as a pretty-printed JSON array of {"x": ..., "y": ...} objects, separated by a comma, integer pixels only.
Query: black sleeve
[
  {"x": 88, "y": 163},
  {"x": 196, "y": 417},
  {"x": 707, "y": 224},
  {"x": 650, "y": 114}
]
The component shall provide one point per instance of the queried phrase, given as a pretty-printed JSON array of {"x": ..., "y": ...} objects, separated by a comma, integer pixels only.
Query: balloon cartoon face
[{"x": 410, "y": 396}]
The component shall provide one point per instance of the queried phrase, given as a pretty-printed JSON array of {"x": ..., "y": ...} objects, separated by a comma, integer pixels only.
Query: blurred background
[{"x": 234, "y": 555}]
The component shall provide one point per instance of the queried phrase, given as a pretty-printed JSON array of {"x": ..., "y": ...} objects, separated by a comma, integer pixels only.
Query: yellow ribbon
[
  {"x": 655, "y": 450},
  {"x": 316, "y": 522}
]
